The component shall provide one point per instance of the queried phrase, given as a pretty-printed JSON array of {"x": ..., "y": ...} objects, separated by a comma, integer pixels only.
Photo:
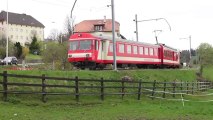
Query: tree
[
  {"x": 67, "y": 27},
  {"x": 34, "y": 46},
  {"x": 3, "y": 42},
  {"x": 18, "y": 49},
  {"x": 205, "y": 52},
  {"x": 54, "y": 35},
  {"x": 56, "y": 54}
]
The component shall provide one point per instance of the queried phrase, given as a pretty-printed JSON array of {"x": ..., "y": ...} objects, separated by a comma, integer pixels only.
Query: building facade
[
  {"x": 21, "y": 28},
  {"x": 101, "y": 27}
]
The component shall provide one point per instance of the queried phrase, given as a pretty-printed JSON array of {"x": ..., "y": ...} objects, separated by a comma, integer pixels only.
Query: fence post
[
  {"x": 43, "y": 89},
  {"x": 153, "y": 89},
  {"x": 76, "y": 89},
  {"x": 122, "y": 89},
  {"x": 187, "y": 87},
  {"x": 174, "y": 86},
  {"x": 181, "y": 86},
  {"x": 192, "y": 87},
  {"x": 139, "y": 90},
  {"x": 102, "y": 89},
  {"x": 5, "y": 85},
  {"x": 164, "y": 89}
]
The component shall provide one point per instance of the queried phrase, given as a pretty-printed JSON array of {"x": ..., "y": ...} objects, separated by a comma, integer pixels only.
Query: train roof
[{"x": 125, "y": 40}]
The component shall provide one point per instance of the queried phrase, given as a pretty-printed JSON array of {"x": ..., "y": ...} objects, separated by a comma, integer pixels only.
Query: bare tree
[
  {"x": 54, "y": 34},
  {"x": 67, "y": 27}
]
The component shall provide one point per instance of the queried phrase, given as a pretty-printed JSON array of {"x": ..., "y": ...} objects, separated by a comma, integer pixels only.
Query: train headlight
[
  {"x": 69, "y": 56},
  {"x": 87, "y": 55}
]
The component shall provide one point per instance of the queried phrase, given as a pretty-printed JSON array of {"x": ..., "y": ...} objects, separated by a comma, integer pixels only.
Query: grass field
[
  {"x": 111, "y": 109},
  {"x": 145, "y": 75},
  {"x": 29, "y": 107}
]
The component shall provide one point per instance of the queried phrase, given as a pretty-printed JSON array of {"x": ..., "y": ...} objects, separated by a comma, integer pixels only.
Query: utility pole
[
  {"x": 7, "y": 52},
  {"x": 136, "y": 24},
  {"x": 113, "y": 36},
  {"x": 156, "y": 19},
  {"x": 190, "y": 48}
]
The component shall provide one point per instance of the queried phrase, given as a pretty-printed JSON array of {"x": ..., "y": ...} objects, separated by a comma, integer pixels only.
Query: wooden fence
[{"x": 102, "y": 88}]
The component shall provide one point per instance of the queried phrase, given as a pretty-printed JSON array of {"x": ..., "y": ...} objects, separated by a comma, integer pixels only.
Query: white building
[{"x": 21, "y": 27}]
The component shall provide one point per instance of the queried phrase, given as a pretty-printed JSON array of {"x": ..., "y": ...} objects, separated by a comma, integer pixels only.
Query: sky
[{"x": 186, "y": 17}]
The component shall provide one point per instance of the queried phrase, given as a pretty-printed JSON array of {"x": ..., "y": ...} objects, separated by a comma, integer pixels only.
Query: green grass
[
  {"x": 144, "y": 75},
  {"x": 33, "y": 57},
  {"x": 110, "y": 109},
  {"x": 30, "y": 107}
]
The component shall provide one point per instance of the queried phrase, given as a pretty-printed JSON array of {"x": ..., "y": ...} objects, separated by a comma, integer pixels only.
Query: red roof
[{"x": 88, "y": 25}]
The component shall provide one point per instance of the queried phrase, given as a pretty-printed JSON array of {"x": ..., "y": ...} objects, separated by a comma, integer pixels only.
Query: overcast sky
[{"x": 186, "y": 17}]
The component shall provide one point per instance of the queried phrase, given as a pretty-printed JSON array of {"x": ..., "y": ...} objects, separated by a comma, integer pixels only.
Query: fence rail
[{"x": 81, "y": 87}]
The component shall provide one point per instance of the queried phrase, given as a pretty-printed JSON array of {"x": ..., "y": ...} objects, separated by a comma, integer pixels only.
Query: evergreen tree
[
  {"x": 34, "y": 46},
  {"x": 18, "y": 49}
]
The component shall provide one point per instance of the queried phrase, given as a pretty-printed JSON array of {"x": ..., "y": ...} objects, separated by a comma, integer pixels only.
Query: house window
[
  {"x": 11, "y": 29},
  {"x": 121, "y": 48},
  {"x": 141, "y": 50},
  {"x": 129, "y": 49},
  {"x": 135, "y": 49},
  {"x": 98, "y": 27},
  {"x": 21, "y": 30},
  {"x": 146, "y": 51}
]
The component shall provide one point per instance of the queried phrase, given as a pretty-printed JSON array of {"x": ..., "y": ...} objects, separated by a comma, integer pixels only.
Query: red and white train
[{"x": 87, "y": 50}]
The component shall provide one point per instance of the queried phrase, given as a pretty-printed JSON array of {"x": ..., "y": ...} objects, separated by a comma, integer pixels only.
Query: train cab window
[
  {"x": 110, "y": 47},
  {"x": 135, "y": 49},
  {"x": 129, "y": 49},
  {"x": 146, "y": 50},
  {"x": 141, "y": 50},
  {"x": 151, "y": 51},
  {"x": 85, "y": 45},
  {"x": 73, "y": 45},
  {"x": 121, "y": 48}
]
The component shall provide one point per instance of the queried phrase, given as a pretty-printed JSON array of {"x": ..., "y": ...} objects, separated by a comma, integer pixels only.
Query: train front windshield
[{"x": 81, "y": 45}]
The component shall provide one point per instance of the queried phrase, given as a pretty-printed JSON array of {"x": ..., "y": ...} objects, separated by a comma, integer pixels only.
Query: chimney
[{"x": 104, "y": 19}]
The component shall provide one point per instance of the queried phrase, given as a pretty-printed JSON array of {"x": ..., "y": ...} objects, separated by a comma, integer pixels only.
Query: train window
[
  {"x": 146, "y": 51},
  {"x": 73, "y": 45},
  {"x": 85, "y": 45},
  {"x": 129, "y": 49},
  {"x": 110, "y": 47},
  {"x": 121, "y": 48},
  {"x": 135, "y": 49},
  {"x": 141, "y": 50},
  {"x": 156, "y": 52},
  {"x": 151, "y": 51}
]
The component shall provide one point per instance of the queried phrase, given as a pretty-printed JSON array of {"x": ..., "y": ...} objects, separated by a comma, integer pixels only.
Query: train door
[{"x": 103, "y": 50}]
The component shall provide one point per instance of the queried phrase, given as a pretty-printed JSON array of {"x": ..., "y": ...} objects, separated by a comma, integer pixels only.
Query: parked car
[
  {"x": 1, "y": 62},
  {"x": 10, "y": 60}
]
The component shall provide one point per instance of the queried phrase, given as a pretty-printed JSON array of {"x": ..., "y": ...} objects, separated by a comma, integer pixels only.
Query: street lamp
[
  {"x": 72, "y": 28},
  {"x": 156, "y": 19}
]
